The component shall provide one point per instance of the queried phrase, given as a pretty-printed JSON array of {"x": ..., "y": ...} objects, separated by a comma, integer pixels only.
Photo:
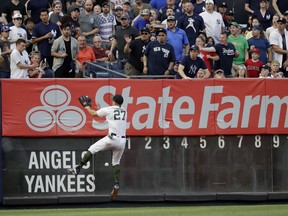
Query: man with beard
[
  {"x": 136, "y": 49},
  {"x": 191, "y": 23},
  {"x": 64, "y": 51},
  {"x": 44, "y": 34},
  {"x": 106, "y": 23},
  {"x": 88, "y": 22}
]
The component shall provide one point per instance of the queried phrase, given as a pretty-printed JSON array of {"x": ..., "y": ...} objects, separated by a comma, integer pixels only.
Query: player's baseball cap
[
  {"x": 255, "y": 50},
  {"x": 5, "y": 28},
  {"x": 117, "y": 98}
]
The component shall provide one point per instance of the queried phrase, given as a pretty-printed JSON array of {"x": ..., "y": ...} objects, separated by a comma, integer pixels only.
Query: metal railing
[{"x": 105, "y": 70}]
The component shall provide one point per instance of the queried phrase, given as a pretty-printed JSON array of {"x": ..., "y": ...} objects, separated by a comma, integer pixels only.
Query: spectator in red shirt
[{"x": 253, "y": 65}]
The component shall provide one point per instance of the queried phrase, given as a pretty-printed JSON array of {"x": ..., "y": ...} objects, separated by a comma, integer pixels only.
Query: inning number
[{"x": 119, "y": 114}]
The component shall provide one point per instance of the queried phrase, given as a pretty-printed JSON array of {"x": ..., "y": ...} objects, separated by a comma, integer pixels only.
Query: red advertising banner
[{"x": 50, "y": 107}]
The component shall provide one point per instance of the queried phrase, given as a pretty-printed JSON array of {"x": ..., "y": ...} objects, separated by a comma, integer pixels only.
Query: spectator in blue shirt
[{"x": 177, "y": 38}]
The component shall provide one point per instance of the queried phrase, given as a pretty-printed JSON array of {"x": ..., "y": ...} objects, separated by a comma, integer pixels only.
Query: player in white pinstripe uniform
[{"x": 115, "y": 141}]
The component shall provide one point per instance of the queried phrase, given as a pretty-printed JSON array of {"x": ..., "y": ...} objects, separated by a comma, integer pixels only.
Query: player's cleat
[
  {"x": 115, "y": 191},
  {"x": 74, "y": 171}
]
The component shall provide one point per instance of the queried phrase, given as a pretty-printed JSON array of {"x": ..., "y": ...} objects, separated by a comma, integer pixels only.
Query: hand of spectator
[
  {"x": 285, "y": 64},
  {"x": 63, "y": 55},
  {"x": 49, "y": 35},
  {"x": 127, "y": 38},
  {"x": 33, "y": 66},
  {"x": 252, "y": 47},
  {"x": 110, "y": 55},
  {"x": 145, "y": 70}
]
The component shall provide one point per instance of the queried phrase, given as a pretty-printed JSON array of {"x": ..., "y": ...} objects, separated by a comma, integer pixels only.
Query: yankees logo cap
[{"x": 117, "y": 98}]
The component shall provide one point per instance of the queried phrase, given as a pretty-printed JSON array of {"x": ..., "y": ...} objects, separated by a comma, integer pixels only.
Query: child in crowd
[
  {"x": 275, "y": 65},
  {"x": 241, "y": 71},
  {"x": 253, "y": 64},
  {"x": 265, "y": 72},
  {"x": 41, "y": 71},
  {"x": 219, "y": 74}
]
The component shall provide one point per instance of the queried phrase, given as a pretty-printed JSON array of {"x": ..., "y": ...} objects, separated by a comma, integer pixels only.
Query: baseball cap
[
  {"x": 171, "y": 18},
  {"x": 118, "y": 7},
  {"x": 17, "y": 15},
  {"x": 266, "y": 67},
  {"x": 126, "y": 2},
  {"x": 223, "y": 4},
  {"x": 194, "y": 47},
  {"x": 256, "y": 27},
  {"x": 230, "y": 13},
  {"x": 5, "y": 28},
  {"x": 234, "y": 24},
  {"x": 209, "y": 1},
  {"x": 256, "y": 50},
  {"x": 145, "y": 12},
  {"x": 117, "y": 98},
  {"x": 104, "y": 4},
  {"x": 145, "y": 29},
  {"x": 282, "y": 20},
  {"x": 124, "y": 16},
  {"x": 72, "y": 8},
  {"x": 161, "y": 30},
  {"x": 219, "y": 71}
]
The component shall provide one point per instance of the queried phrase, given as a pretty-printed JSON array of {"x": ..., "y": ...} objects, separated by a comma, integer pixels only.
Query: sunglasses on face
[
  {"x": 144, "y": 33},
  {"x": 18, "y": 19}
]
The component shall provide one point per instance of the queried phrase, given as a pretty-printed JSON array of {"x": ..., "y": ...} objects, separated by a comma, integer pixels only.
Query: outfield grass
[{"x": 259, "y": 210}]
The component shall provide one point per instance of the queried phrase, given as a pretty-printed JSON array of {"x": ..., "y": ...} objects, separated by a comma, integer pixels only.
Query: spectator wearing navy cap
[
  {"x": 159, "y": 56},
  {"x": 5, "y": 52}
]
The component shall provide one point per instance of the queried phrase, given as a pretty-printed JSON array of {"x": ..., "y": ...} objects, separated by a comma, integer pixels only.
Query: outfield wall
[{"x": 45, "y": 131}]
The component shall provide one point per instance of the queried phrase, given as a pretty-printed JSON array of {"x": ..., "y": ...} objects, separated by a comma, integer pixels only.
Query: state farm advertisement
[{"x": 50, "y": 107}]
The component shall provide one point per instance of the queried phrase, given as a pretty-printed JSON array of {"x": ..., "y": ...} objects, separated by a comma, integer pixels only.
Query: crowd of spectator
[{"x": 186, "y": 39}]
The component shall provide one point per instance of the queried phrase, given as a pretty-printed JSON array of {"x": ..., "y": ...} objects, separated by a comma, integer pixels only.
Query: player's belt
[{"x": 113, "y": 134}]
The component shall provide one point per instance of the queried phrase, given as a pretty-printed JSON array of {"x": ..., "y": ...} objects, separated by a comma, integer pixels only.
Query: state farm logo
[{"x": 55, "y": 110}]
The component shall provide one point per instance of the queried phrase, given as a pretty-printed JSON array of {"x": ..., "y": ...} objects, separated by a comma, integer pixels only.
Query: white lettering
[
  {"x": 207, "y": 106},
  {"x": 164, "y": 101},
  {"x": 233, "y": 111},
  {"x": 179, "y": 111}
]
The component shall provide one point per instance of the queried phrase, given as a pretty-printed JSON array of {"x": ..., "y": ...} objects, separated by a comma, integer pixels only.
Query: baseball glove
[{"x": 85, "y": 100}]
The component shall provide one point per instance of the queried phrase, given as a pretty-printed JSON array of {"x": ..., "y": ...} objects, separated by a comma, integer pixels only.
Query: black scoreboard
[{"x": 150, "y": 165}]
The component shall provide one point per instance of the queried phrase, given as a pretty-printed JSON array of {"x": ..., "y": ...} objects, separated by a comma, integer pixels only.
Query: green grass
[{"x": 258, "y": 210}]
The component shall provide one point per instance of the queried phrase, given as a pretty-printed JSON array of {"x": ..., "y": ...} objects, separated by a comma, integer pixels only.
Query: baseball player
[{"x": 115, "y": 141}]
